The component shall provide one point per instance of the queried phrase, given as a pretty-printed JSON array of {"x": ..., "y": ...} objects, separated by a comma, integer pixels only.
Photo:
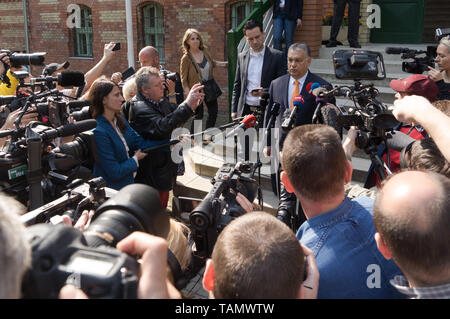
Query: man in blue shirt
[{"x": 338, "y": 230}]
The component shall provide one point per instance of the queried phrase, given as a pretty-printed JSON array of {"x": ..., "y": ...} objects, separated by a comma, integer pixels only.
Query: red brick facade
[{"x": 49, "y": 33}]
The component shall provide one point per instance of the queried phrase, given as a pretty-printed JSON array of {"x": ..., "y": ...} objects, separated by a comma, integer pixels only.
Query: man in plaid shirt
[{"x": 412, "y": 219}]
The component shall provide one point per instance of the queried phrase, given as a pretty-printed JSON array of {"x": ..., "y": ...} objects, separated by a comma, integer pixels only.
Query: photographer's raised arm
[
  {"x": 418, "y": 110},
  {"x": 97, "y": 70}
]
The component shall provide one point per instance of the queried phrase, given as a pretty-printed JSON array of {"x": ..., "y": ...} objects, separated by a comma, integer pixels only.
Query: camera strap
[{"x": 175, "y": 267}]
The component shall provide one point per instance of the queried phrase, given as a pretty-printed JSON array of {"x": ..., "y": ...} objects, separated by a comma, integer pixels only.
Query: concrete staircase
[{"x": 202, "y": 162}]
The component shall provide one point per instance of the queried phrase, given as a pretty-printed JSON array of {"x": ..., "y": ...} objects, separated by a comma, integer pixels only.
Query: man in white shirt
[{"x": 256, "y": 68}]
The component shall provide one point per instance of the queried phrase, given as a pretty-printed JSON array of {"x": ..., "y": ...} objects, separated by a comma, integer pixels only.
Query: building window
[
  {"x": 239, "y": 11},
  {"x": 83, "y": 35},
  {"x": 153, "y": 15}
]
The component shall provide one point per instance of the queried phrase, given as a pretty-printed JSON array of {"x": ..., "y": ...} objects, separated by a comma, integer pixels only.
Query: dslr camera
[{"x": 62, "y": 254}]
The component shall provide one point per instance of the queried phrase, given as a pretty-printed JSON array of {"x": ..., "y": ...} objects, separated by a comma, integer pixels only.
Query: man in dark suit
[
  {"x": 287, "y": 16},
  {"x": 256, "y": 68},
  {"x": 354, "y": 7},
  {"x": 282, "y": 91}
]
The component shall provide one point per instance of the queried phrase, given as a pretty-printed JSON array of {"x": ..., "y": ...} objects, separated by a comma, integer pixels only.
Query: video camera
[
  {"x": 371, "y": 116},
  {"x": 30, "y": 170},
  {"x": 419, "y": 64},
  {"x": 219, "y": 207},
  {"x": 61, "y": 254}
]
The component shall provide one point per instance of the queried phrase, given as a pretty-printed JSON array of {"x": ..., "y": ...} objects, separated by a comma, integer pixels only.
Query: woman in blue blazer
[{"x": 114, "y": 137}]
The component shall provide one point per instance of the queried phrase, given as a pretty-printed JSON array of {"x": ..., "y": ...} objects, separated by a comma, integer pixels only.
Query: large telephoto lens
[
  {"x": 135, "y": 207},
  {"x": 18, "y": 59}
]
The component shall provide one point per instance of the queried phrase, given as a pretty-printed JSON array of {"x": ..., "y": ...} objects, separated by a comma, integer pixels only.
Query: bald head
[
  {"x": 410, "y": 191},
  {"x": 149, "y": 56},
  {"x": 412, "y": 214}
]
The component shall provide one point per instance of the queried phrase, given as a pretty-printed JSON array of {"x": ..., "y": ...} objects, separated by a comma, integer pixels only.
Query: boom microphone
[
  {"x": 247, "y": 122},
  {"x": 392, "y": 50},
  {"x": 70, "y": 78}
]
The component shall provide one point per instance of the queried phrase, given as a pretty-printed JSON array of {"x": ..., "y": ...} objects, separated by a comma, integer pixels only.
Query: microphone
[
  {"x": 69, "y": 129},
  {"x": 311, "y": 86},
  {"x": 247, "y": 122},
  {"x": 399, "y": 141},
  {"x": 298, "y": 102},
  {"x": 320, "y": 92},
  {"x": 78, "y": 104},
  {"x": 157, "y": 147},
  {"x": 70, "y": 78},
  {"x": 393, "y": 50}
]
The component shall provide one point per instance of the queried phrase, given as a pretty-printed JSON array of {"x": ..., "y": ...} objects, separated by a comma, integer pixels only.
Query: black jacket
[
  {"x": 293, "y": 9},
  {"x": 156, "y": 122}
]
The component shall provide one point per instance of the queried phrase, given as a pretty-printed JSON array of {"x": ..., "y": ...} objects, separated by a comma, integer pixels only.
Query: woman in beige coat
[{"x": 197, "y": 65}]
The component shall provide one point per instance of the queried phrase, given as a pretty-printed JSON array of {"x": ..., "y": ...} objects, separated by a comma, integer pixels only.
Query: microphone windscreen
[
  {"x": 249, "y": 121},
  {"x": 318, "y": 91},
  {"x": 391, "y": 50},
  {"x": 315, "y": 86},
  {"x": 76, "y": 128},
  {"x": 308, "y": 86},
  {"x": 71, "y": 78},
  {"x": 399, "y": 141},
  {"x": 298, "y": 101}
]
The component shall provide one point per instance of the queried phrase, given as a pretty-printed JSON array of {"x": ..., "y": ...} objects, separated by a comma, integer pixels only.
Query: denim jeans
[{"x": 281, "y": 23}]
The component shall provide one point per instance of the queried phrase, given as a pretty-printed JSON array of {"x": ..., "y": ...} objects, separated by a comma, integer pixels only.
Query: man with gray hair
[
  {"x": 283, "y": 90},
  {"x": 15, "y": 251},
  {"x": 154, "y": 117}
]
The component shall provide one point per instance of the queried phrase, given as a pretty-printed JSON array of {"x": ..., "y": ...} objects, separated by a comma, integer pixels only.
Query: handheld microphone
[
  {"x": 311, "y": 86},
  {"x": 298, "y": 102},
  {"x": 69, "y": 129},
  {"x": 247, "y": 122}
]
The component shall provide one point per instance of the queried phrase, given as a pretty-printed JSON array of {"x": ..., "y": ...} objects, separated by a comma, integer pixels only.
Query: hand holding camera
[{"x": 195, "y": 96}]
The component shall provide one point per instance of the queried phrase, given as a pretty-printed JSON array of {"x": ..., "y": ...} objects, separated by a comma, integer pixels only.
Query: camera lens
[
  {"x": 18, "y": 59},
  {"x": 135, "y": 207}
]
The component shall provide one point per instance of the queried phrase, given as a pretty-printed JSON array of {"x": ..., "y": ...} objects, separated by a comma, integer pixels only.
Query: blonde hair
[
  {"x": 177, "y": 240},
  {"x": 129, "y": 89},
  {"x": 187, "y": 36},
  {"x": 445, "y": 41}
]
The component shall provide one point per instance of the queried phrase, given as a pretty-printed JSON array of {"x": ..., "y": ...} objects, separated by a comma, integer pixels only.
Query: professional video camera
[
  {"x": 30, "y": 170},
  {"x": 372, "y": 118},
  {"x": 219, "y": 207},
  {"x": 62, "y": 254},
  {"x": 419, "y": 64}
]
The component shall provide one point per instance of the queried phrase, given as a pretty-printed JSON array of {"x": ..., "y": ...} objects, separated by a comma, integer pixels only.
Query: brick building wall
[{"x": 49, "y": 33}]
